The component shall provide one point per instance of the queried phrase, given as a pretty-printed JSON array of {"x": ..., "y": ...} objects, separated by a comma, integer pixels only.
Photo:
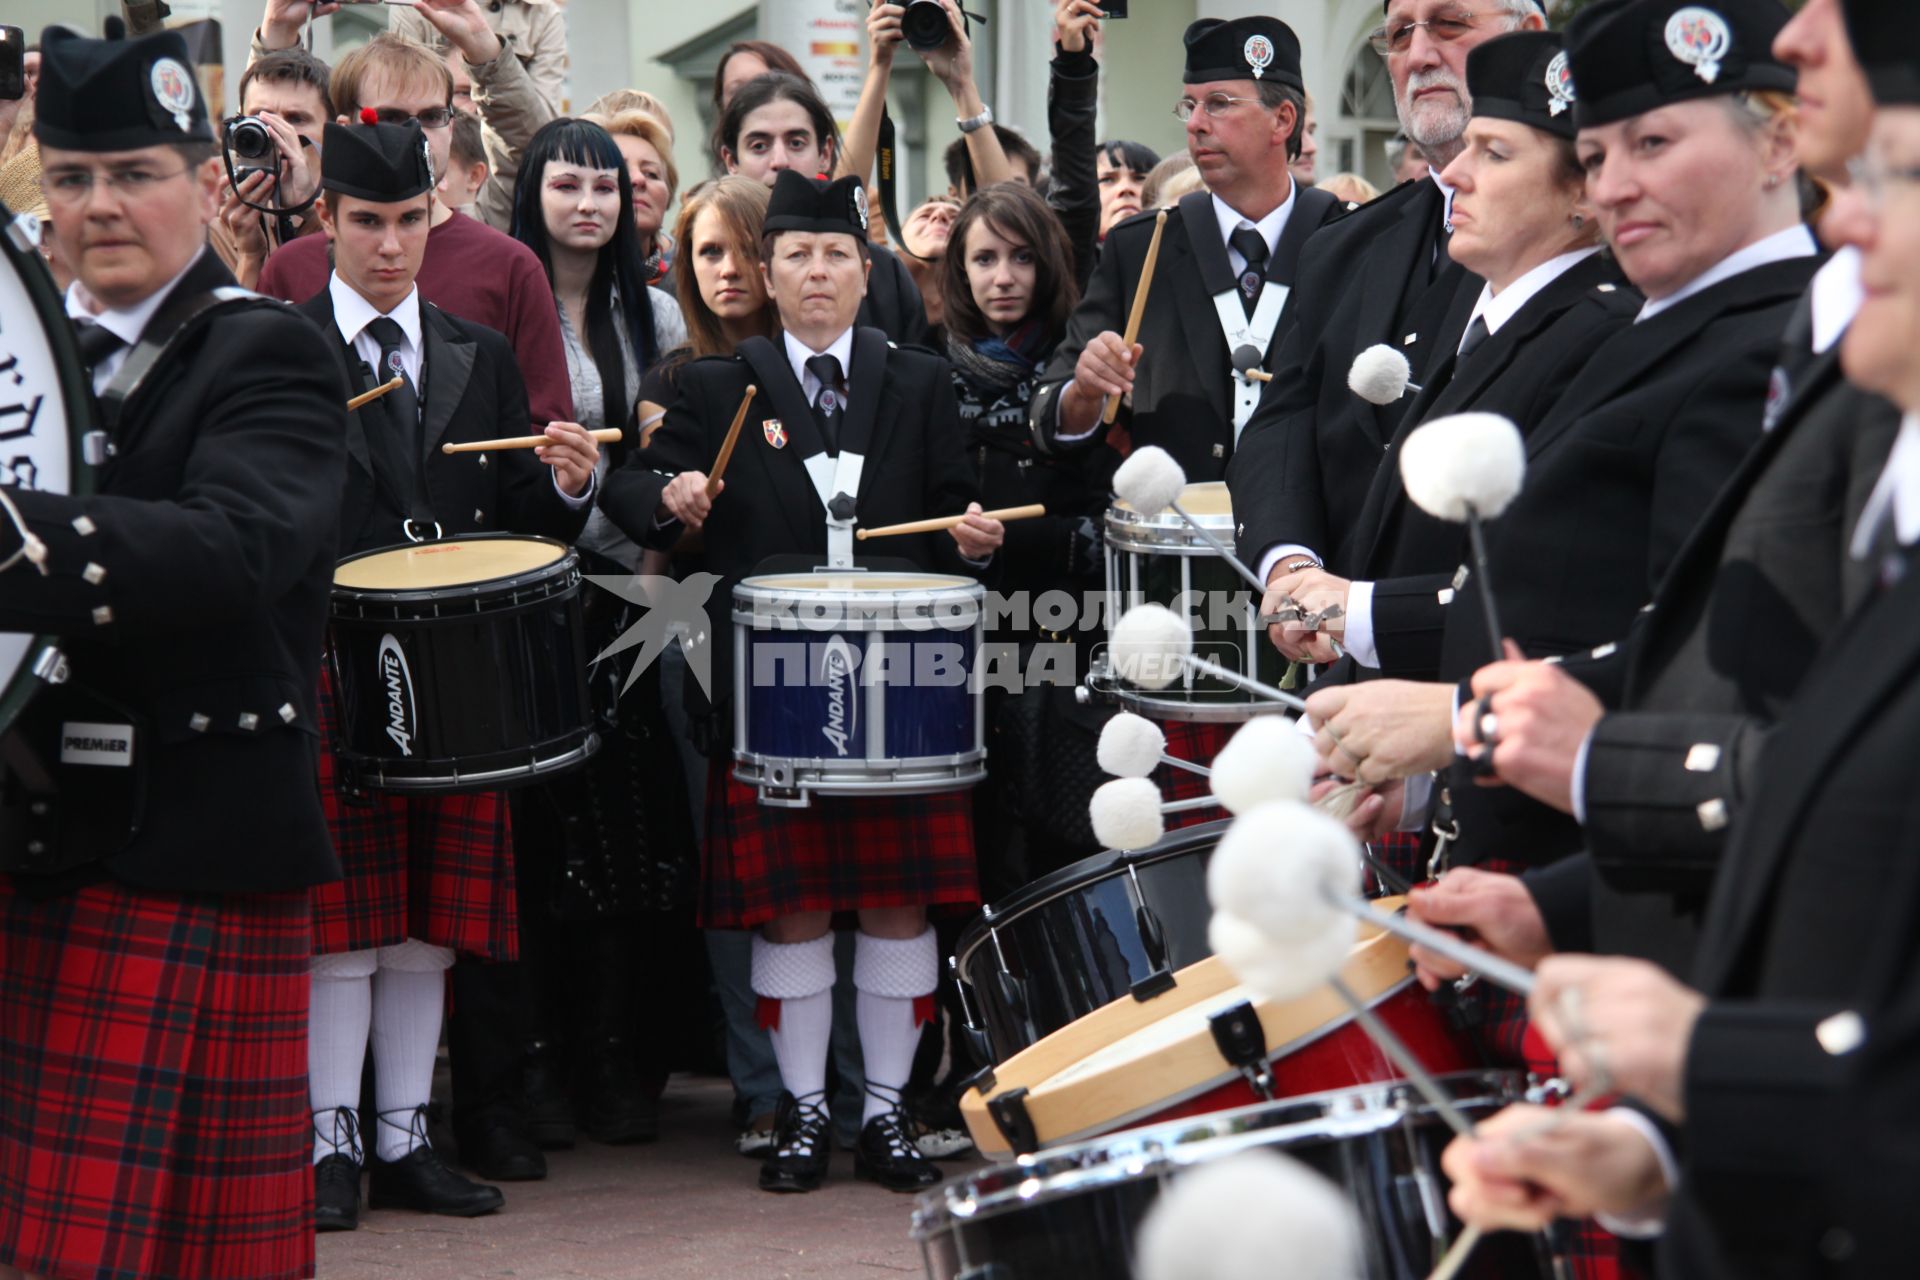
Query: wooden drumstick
[
  {"x": 726, "y": 446},
  {"x": 605, "y": 435},
  {"x": 947, "y": 522},
  {"x": 1139, "y": 304},
  {"x": 368, "y": 397}
]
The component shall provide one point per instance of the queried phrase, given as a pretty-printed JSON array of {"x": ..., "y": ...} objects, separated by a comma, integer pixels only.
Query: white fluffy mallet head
[
  {"x": 1380, "y": 374},
  {"x": 1126, "y": 814},
  {"x": 1273, "y": 871},
  {"x": 1149, "y": 480},
  {"x": 1464, "y": 460},
  {"x": 1130, "y": 746},
  {"x": 1148, "y": 646},
  {"x": 1250, "y": 1216},
  {"x": 1267, "y": 759}
]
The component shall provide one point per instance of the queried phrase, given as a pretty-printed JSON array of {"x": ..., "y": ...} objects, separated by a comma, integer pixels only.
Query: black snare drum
[
  {"x": 1116, "y": 924},
  {"x": 460, "y": 665},
  {"x": 1076, "y": 1210}
]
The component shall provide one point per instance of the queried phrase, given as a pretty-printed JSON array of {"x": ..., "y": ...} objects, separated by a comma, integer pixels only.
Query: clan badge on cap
[
  {"x": 1522, "y": 76},
  {"x": 117, "y": 95},
  {"x": 1256, "y": 48},
  {"x": 1559, "y": 84},
  {"x": 1629, "y": 57}
]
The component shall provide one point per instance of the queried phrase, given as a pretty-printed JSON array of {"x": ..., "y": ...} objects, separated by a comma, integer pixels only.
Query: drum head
[
  {"x": 844, "y": 583},
  {"x": 44, "y": 421},
  {"x": 453, "y": 562},
  {"x": 1208, "y": 499}
]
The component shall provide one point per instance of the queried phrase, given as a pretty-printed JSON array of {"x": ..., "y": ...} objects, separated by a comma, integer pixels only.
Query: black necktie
[
  {"x": 1253, "y": 247},
  {"x": 830, "y": 401},
  {"x": 397, "y": 446},
  {"x": 1477, "y": 333},
  {"x": 97, "y": 342}
]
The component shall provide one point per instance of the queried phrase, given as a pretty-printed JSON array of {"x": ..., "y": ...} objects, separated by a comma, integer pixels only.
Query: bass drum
[
  {"x": 45, "y": 415},
  {"x": 1119, "y": 923}
]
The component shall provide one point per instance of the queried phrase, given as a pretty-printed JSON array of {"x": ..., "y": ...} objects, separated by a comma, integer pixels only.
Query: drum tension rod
[{"x": 1242, "y": 1041}]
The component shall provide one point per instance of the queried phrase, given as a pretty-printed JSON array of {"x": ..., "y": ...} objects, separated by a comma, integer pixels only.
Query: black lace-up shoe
[
  {"x": 422, "y": 1181},
  {"x": 886, "y": 1154},
  {"x": 803, "y": 1140},
  {"x": 336, "y": 1193}
]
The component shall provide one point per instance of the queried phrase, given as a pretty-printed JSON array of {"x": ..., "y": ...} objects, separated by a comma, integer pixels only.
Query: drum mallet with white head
[
  {"x": 1133, "y": 746},
  {"x": 1127, "y": 813},
  {"x": 1232, "y": 1218},
  {"x": 1467, "y": 467},
  {"x": 1151, "y": 645},
  {"x": 1380, "y": 375},
  {"x": 1150, "y": 481}
]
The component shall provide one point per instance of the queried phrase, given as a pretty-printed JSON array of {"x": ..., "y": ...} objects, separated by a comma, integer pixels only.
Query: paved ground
[{"x": 684, "y": 1207}]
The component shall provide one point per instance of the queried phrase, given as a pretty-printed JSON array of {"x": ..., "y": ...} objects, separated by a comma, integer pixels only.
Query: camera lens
[
  {"x": 924, "y": 24},
  {"x": 248, "y": 137}
]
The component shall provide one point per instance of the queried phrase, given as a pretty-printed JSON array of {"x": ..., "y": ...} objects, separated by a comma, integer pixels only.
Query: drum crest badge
[
  {"x": 1700, "y": 38},
  {"x": 775, "y": 432}
]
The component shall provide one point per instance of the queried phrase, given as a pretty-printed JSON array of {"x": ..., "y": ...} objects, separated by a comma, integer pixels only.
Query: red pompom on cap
[{"x": 369, "y": 116}]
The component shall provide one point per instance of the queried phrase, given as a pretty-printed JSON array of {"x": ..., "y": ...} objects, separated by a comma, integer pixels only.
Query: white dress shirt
[
  {"x": 1795, "y": 242},
  {"x": 351, "y": 316},
  {"x": 798, "y": 353},
  {"x": 124, "y": 323},
  {"x": 1837, "y": 295},
  {"x": 1896, "y": 495},
  {"x": 1270, "y": 227}
]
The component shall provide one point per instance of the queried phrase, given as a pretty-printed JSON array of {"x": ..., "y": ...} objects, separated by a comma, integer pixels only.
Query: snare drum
[
  {"x": 1380, "y": 1143},
  {"x": 44, "y": 419},
  {"x": 1205, "y": 1045},
  {"x": 857, "y": 684},
  {"x": 1114, "y": 925},
  {"x": 1158, "y": 559},
  {"x": 460, "y": 665}
]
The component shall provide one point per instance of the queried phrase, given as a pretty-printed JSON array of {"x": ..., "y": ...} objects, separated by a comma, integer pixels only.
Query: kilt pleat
[
  {"x": 839, "y": 854},
  {"x": 437, "y": 867},
  {"x": 153, "y": 1085}
]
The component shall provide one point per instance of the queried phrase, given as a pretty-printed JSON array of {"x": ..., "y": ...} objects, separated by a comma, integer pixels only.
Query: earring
[
  {"x": 1579, "y": 221},
  {"x": 1773, "y": 180}
]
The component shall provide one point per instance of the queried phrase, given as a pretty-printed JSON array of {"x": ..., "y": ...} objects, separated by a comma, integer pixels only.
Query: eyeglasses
[
  {"x": 73, "y": 186},
  {"x": 1216, "y": 105},
  {"x": 1874, "y": 179},
  {"x": 431, "y": 118},
  {"x": 1398, "y": 37}
]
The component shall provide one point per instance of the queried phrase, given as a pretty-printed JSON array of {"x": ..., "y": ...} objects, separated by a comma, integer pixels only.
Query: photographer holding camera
[{"x": 272, "y": 158}]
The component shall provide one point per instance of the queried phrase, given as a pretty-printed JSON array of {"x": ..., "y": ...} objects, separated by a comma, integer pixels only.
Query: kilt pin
[
  {"x": 437, "y": 868},
  {"x": 153, "y": 1083}
]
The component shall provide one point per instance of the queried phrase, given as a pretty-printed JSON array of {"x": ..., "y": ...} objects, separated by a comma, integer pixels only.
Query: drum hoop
[
  {"x": 76, "y": 394},
  {"x": 878, "y": 610},
  {"x": 1068, "y": 879},
  {"x": 563, "y": 574},
  {"x": 1150, "y": 1150}
]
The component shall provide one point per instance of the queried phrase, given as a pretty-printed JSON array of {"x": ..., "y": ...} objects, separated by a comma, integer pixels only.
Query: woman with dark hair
[
  {"x": 745, "y": 60},
  {"x": 1121, "y": 170},
  {"x": 779, "y": 121},
  {"x": 609, "y": 845}
]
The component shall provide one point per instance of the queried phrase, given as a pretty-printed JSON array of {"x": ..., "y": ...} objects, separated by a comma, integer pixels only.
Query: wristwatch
[{"x": 980, "y": 121}]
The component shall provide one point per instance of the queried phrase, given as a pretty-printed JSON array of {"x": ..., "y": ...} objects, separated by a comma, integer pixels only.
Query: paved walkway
[{"x": 684, "y": 1208}]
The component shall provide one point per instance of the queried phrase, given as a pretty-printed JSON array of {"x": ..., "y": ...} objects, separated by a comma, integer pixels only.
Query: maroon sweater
[{"x": 471, "y": 271}]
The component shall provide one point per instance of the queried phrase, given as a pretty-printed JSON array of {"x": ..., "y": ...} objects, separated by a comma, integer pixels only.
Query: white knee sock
[
  {"x": 889, "y": 974},
  {"x": 799, "y": 975},
  {"x": 337, "y": 1020},
  {"x": 409, "y": 998}
]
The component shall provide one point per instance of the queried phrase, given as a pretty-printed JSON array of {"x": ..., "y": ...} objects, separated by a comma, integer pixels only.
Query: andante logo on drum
[
  {"x": 843, "y": 708},
  {"x": 399, "y": 686}
]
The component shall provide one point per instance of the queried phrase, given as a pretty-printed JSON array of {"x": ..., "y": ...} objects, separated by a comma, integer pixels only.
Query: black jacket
[
  {"x": 893, "y": 304},
  {"x": 214, "y": 524},
  {"x": 1309, "y": 454},
  {"x": 1182, "y": 397},
  {"x": 1799, "y": 1155},
  {"x": 1520, "y": 372},
  {"x": 1617, "y": 476},
  {"x": 472, "y": 391},
  {"x": 900, "y": 417},
  {"x": 1693, "y": 693}
]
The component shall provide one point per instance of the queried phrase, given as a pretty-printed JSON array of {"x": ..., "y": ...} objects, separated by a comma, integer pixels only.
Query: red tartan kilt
[
  {"x": 1197, "y": 743},
  {"x": 153, "y": 1084},
  {"x": 839, "y": 854},
  {"x": 436, "y": 868}
]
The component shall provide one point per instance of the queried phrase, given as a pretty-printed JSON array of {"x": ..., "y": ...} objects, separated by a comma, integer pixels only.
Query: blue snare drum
[{"x": 850, "y": 683}]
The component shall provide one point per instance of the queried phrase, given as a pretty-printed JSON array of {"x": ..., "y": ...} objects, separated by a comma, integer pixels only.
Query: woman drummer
[{"x": 1686, "y": 136}]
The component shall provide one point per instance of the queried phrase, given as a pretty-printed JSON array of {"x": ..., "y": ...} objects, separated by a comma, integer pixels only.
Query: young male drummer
[
  {"x": 153, "y": 988},
  {"x": 429, "y": 876},
  {"x": 845, "y": 428}
]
